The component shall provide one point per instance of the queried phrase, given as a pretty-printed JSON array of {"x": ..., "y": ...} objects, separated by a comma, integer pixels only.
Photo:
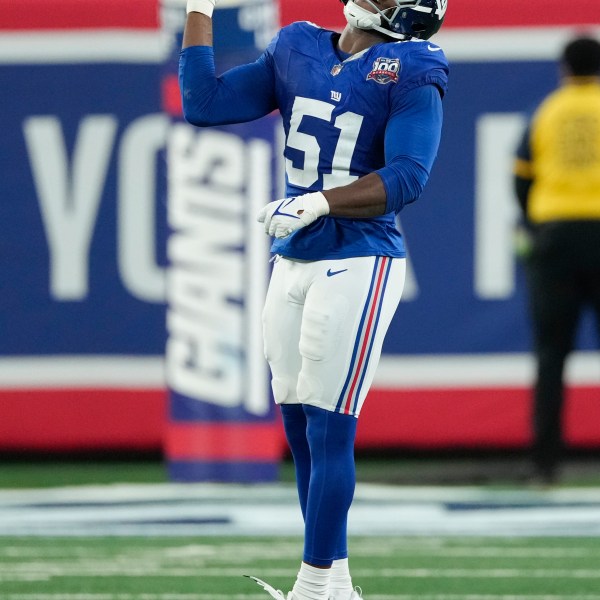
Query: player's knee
[
  {"x": 281, "y": 390},
  {"x": 309, "y": 389}
]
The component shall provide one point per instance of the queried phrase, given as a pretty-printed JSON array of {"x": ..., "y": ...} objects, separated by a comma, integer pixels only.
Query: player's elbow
[
  {"x": 406, "y": 194},
  {"x": 404, "y": 182},
  {"x": 195, "y": 116},
  {"x": 194, "y": 119}
]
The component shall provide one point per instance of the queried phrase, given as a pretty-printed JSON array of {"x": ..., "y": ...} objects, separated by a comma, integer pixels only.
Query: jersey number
[{"x": 348, "y": 123}]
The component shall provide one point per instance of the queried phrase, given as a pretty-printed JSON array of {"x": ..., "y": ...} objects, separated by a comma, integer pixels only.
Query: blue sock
[
  {"x": 294, "y": 424},
  {"x": 332, "y": 480}
]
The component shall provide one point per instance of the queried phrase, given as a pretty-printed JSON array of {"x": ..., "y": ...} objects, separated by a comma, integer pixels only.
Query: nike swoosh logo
[
  {"x": 432, "y": 48},
  {"x": 331, "y": 273},
  {"x": 285, "y": 203}
]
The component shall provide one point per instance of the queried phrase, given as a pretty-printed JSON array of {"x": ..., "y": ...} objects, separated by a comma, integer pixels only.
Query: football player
[{"x": 362, "y": 115}]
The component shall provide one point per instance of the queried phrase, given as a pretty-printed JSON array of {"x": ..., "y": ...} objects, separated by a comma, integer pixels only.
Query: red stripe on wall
[
  {"x": 94, "y": 14},
  {"x": 225, "y": 441},
  {"x": 515, "y": 13},
  {"x": 82, "y": 419},
  {"x": 469, "y": 418},
  {"x": 78, "y": 14}
]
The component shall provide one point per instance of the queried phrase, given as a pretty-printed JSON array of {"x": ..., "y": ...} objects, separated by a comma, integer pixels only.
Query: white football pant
[{"x": 324, "y": 323}]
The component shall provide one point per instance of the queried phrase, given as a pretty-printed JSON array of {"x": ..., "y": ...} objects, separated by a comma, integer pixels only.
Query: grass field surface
[
  {"x": 480, "y": 469},
  {"x": 190, "y": 566},
  {"x": 428, "y": 568}
]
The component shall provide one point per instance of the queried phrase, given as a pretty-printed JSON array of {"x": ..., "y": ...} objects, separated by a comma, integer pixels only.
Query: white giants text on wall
[{"x": 219, "y": 260}]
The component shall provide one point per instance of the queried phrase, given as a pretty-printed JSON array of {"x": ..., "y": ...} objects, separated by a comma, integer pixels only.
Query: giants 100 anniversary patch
[{"x": 385, "y": 70}]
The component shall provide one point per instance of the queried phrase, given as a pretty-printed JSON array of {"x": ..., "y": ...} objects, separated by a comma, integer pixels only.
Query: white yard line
[{"x": 242, "y": 551}]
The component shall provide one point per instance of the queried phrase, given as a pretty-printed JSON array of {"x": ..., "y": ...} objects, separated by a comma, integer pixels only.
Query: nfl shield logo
[
  {"x": 336, "y": 69},
  {"x": 385, "y": 70}
]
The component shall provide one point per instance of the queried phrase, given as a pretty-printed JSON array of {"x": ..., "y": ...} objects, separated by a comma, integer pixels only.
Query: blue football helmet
[{"x": 403, "y": 20}]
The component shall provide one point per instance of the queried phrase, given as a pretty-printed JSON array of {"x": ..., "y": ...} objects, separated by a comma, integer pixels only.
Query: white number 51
[{"x": 348, "y": 123}]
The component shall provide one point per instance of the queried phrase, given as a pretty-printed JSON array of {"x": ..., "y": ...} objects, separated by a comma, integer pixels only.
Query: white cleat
[{"x": 277, "y": 594}]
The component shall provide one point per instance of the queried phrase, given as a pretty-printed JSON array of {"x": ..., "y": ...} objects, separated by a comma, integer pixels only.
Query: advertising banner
[
  {"x": 104, "y": 258},
  {"x": 222, "y": 422}
]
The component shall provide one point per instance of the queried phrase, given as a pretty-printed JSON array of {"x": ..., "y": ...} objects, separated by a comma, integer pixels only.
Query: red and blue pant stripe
[{"x": 365, "y": 337}]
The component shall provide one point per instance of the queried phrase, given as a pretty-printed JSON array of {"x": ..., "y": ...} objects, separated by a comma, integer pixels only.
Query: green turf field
[
  {"x": 477, "y": 470},
  {"x": 16, "y": 474},
  {"x": 212, "y": 568}
]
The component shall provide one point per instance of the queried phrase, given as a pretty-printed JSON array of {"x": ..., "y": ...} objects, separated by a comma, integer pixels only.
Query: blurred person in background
[{"x": 557, "y": 182}]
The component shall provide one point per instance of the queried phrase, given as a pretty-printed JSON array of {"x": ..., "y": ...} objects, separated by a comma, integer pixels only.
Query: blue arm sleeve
[
  {"x": 412, "y": 139},
  {"x": 241, "y": 94}
]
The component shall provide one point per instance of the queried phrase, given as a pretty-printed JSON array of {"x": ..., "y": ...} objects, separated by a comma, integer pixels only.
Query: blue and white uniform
[
  {"x": 334, "y": 292},
  {"x": 336, "y": 282}
]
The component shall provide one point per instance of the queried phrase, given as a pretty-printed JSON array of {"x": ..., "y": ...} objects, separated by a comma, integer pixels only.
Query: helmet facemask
[{"x": 403, "y": 20}]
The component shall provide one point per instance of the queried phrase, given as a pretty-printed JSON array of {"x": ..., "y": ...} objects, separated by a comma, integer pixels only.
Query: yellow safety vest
[{"x": 565, "y": 154}]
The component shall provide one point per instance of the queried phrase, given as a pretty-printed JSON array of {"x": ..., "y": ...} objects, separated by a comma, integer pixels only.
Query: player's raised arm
[
  {"x": 240, "y": 95},
  {"x": 198, "y": 27}
]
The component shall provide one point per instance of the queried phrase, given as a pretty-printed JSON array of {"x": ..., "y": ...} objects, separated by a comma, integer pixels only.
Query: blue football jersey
[{"x": 335, "y": 114}]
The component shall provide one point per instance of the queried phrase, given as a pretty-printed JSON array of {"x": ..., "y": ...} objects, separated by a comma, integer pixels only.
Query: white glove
[
  {"x": 205, "y": 7},
  {"x": 283, "y": 217}
]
